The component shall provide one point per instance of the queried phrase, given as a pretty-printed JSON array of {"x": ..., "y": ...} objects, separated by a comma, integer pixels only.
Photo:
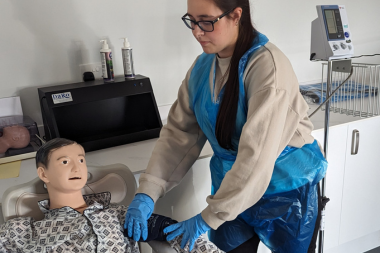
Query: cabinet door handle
[{"x": 355, "y": 142}]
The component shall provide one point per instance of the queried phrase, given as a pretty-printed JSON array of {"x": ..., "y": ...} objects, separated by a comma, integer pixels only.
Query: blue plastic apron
[{"x": 284, "y": 218}]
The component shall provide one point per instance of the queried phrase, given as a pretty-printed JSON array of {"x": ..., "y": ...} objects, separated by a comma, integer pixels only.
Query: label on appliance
[
  {"x": 62, "y": 97},
  {"x": 322, "y": 224}
]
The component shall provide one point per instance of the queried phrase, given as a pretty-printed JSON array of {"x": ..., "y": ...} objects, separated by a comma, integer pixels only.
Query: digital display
[
  {"x": 334, "y": 24},
  {"x": 331, "y": 21}
]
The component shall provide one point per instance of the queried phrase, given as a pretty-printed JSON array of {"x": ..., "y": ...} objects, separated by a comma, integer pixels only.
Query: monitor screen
[
  {"x": 331, "y": 21},
  {"x": 334, "y": 24}
]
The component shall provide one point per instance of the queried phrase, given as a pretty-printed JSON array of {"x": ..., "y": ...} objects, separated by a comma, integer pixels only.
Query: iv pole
[
  {"x": 338, "y": 66},
  {"x": 325, "y": 148}
]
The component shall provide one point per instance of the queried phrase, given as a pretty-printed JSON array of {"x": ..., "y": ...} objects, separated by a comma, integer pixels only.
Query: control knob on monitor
[{"x": 343, "y": 46}]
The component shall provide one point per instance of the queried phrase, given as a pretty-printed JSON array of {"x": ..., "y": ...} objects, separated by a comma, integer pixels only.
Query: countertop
[
  {"x": 318, "y": 119},
  {"x": 136, "y": 155}
]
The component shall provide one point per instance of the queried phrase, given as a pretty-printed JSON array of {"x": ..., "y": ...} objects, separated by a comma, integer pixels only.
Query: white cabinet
[
  {"x": 185, "y": 200},
  {"x": 189, "y": 197},
  {"x": 361, "y": 201},
  {"x": 353, "y": 186}
]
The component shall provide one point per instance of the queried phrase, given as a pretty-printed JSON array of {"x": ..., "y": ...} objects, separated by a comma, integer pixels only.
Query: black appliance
[{"x": 99, "y": 115}]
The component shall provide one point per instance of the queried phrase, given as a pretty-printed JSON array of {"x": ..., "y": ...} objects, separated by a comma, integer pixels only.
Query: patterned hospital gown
[
  {"x": 202, "y": 245},
  {"x": 98, "y": 229}
]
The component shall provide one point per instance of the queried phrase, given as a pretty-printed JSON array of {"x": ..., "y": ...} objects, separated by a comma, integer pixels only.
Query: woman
[{"x": 242, "y": 96}]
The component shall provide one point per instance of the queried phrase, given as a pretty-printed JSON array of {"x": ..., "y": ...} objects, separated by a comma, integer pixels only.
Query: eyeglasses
[{"x": 206, "y": 26}]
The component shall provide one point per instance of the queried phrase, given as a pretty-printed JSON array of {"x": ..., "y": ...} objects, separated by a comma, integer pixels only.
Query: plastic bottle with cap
[
  {"x": 107, "y": 64},
  {"x": 126, "y": 51}
]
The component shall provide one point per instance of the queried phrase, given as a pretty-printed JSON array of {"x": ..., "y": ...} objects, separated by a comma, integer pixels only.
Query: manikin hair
[{"x": 43, "y": 153}]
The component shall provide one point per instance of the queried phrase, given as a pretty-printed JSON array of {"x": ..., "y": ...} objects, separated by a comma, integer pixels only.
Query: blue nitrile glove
[
  {"x": 138, "y": 213},
  {"x": 191, "y": 230}
]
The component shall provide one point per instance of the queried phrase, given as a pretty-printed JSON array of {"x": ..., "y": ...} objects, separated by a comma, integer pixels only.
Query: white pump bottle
[
  {"x": 126, "y": 51},
  {"x": 107, "y": 65}
]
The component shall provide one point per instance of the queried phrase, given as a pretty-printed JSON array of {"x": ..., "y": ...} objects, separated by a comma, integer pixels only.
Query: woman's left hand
[{"x": 191, "y": 230}]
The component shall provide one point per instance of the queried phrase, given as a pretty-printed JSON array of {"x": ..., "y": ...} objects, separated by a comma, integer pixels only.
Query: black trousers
[
  {"x": 249, "y": 246},
  {"x": 252, "y": 244}
]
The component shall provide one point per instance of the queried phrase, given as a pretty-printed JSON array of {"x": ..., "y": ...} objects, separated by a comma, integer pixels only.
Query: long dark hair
[{"x": 226, "y": 121}]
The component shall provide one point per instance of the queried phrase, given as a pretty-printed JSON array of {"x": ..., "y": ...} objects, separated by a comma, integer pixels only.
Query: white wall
[{"x": 42, "y": 42}]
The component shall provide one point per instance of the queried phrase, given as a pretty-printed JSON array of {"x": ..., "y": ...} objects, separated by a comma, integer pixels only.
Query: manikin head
[
  {"x": 14, "y": 137},
  {"x": 234, "y": 23},
  {"x": 62, "y": 166}
]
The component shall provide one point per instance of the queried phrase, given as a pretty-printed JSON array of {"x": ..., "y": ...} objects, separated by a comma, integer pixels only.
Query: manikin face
[
  {"x": 223, "y": 39},
  {"x": 67, "y": 169}
]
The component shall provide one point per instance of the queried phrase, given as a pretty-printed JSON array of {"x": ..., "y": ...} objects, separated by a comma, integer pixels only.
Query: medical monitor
[{"x": 331, "y": 34}]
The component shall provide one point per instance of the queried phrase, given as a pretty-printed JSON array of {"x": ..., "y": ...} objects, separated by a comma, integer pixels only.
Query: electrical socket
[{"x": 95, "y": 68}]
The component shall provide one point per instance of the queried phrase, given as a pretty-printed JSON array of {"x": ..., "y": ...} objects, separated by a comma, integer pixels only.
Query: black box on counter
[{"x": 100, "y": 115}]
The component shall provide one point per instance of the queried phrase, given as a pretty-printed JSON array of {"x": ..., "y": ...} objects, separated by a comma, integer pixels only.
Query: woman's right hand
[{"x": 138, "y": 213}]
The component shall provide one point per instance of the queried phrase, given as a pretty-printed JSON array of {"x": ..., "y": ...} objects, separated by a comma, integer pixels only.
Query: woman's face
[{"x": 223, "y": 39}]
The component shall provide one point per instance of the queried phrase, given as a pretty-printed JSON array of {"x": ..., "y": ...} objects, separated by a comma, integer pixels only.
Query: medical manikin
[{"x": 77, "y": 223}]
